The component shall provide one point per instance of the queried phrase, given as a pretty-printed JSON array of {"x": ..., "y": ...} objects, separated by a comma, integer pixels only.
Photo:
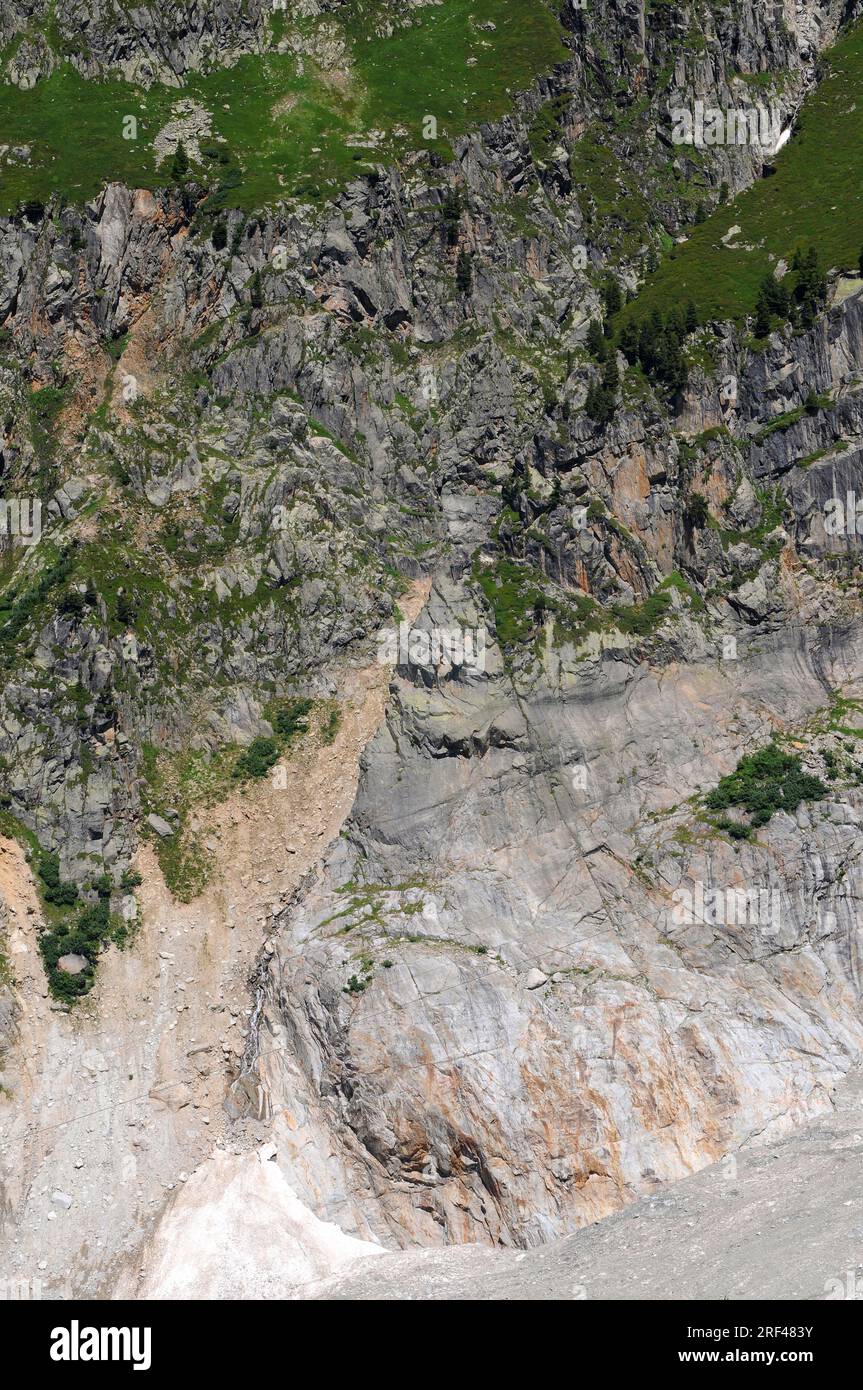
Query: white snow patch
[{"x": 237, "y": 1230}]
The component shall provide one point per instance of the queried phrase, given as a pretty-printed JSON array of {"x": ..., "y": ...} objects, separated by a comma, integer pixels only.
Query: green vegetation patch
[
  {"x": 762, "y": 783},
  {"x": 521, "y": 606},
  {"x": 257, "y": 759},
  {"x": 290, "y": 717},
  {"x": 85, "y": 936},
  {"x": 18, "y": 605},
  {"x": 643, "y": 618},
  {"x": 618, "y": 206},
  {"x": 78, "y": 921},
  {"x": 812, "y": 405},
  {"x": 513, "y": 596},
  {"x": 177, "y": 784},
  {"x": 54, "y": 889},
  {"x": 813, "y": 199},
  {"x": 845, "y": 716},
  {"x": 280, "y": 128},
  {"x": 331, "y": 724},
  {"x": 174, "y": 784}
]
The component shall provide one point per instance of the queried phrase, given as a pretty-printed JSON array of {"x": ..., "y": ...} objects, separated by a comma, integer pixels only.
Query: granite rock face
[
  {"x": 498, "y": 1009},
  {"x": 150, "y": 41},
  {"x": 776, "y": 1224},
  {"x": 154, "y": 41},
  {"x": 544, "y": 827}
]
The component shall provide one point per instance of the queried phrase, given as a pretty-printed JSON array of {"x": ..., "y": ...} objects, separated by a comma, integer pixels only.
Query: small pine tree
[
  {"x": 127, "y": 611},
  {"x": 464, "y": 272},
  {"x": 595, "y": 341},
  {"x": 599, "y": 404},
  {"x": 611, "y": 376},
  {"x": 515, "y": 484},
  {"x": 761, "y": 327},
  {"x": 72, "y": 604},
  {"x": 691, "y": 321},
  {"x": 611, "y": 296},
  {"x": 697, "y": 512},
  {"x": 451, "y": 210},
  {"x": 775, "y": 295},
  {"x": 592, "y": 400},
  {"x": 811, "y": 288},
  {"x": 256, "y": 291},
  {"x": 180, "y": 166},
  {"x": 675, "y": 324},
  {"x": 669, "y": 365},
  {"x": 629, "y": 342},
  {"x": 601, "y": 399},
  {"x": 649, "y": 339}
]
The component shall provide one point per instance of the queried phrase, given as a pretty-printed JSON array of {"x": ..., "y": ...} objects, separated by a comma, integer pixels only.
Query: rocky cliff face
[
  {"x": 161, "y": 41},
  {"x": 540, "y": 1035},
  {"x": 315, "y": 463},
  {"x": 484, "y": 1015},
  {"x": 143, "y": 43}
]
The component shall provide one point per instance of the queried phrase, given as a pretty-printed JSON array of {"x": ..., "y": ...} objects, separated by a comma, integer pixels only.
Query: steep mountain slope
[
  {"x": 270, "y": 101},
  {"x": 779, "y": 1222},
  {"x": 482, "y": 1016}
]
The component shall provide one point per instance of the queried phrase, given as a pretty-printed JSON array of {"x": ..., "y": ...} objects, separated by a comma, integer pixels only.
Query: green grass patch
[
  {"x": 290, "y": 131},
  {"x": 21, "y": 606},
  {"x": 814, "y": 198},
  {"x": 290, "y": 717},
  {"x": 331, "y": 725},
  {"x": 180, "y": 782},
  {"x": 14, "y": 829},
  {"x": 676, "y": 581},
  {"x": 521, "y": 605},
  {"x": 642, "y": 618},
  {"x": 256, "y": 760},
  {"x": 512, "y": 594},
  {"x": 841, "y": 711},
  {"x": 791, "y": 417}
]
